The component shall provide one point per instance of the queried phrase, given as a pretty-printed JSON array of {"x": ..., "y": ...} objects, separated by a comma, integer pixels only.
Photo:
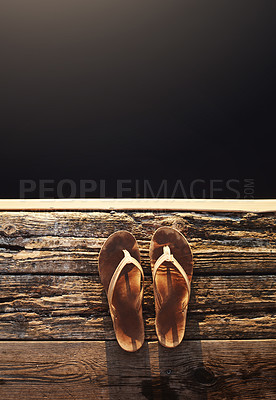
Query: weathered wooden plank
[
  {"x": 85, "y": 261},
  {"x": 70, "y": 242},
  {"x": 198, "y": 370},
  {"x": 75, "y": 307},
  {"x": 101, "y": 224}
]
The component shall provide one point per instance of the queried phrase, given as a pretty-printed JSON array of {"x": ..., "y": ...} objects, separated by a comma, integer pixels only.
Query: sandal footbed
[
  {"x": 171, "y": 288},
  {"x": 127, "y": 320}
]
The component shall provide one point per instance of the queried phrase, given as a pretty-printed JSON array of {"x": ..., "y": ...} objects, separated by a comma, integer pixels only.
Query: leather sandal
[
  {"x": 123, "y": 280},
  {"x": 172, "y": 269}
]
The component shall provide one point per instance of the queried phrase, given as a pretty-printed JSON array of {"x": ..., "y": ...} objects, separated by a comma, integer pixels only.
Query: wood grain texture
[
  {"x": 75, "y": 307},
  {"x": 212, "y": 370},
  {"x": 69, "y": 242},
  {"x": 50, "y": 290}
]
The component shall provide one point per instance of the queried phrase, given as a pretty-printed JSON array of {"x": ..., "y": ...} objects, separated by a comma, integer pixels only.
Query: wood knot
[
  {"x": 205, "y": 376},
  {"x": 9, "y": 229}
]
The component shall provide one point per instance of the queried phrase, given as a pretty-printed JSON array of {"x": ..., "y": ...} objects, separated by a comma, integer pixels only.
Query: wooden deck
[{"x": 56, "y": 336}]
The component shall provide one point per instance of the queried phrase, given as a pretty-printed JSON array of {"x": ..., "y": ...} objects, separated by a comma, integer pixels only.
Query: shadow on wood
[{"x": 153, "y": 371}]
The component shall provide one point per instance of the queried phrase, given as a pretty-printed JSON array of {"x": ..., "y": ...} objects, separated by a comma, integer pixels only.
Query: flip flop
[
  {"x": 120, "y": 272},
  {"x": 172, "y": 269}
]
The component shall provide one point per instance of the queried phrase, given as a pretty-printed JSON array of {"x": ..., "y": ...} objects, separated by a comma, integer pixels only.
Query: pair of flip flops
[{"x": 123, "y": 279}]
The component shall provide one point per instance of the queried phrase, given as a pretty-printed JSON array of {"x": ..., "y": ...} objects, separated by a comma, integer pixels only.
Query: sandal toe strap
[
  {"x": 168, "y": 256},
  {"x": 127, "y": 259}
]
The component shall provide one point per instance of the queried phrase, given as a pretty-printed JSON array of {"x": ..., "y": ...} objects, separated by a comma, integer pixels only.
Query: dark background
[{"x": 142, "y": 89}]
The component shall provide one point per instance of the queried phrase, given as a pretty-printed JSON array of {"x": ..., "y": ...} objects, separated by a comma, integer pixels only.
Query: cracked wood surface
[
  {"x": 75, "y": 307},
  {"x": 69, "y": 242},
  {"x": 50, "y": 290}
]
